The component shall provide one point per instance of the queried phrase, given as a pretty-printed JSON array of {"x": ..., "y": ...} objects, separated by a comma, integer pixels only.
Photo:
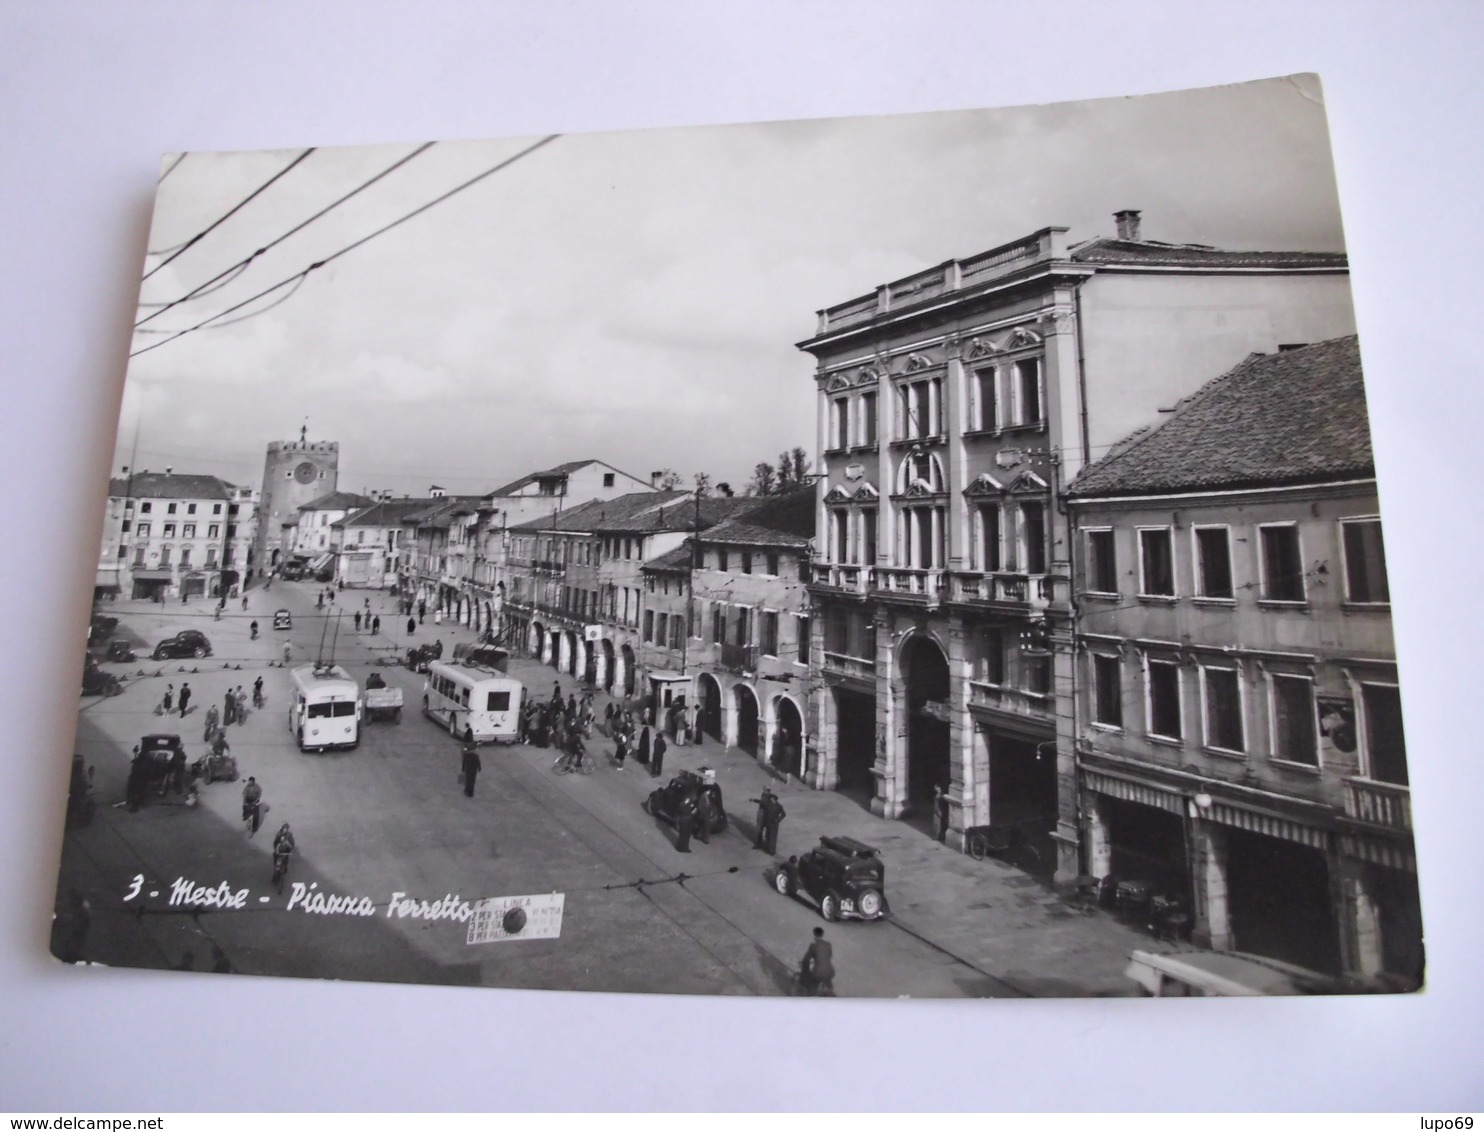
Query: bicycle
[{"x": 280, "y": 867}]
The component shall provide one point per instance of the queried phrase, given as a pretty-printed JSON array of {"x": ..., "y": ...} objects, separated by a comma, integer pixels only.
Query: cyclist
[
  {"x": 283, "y": 849},
  {"x": 252, "y": 805},
  {"x": 817, "y": 968}
]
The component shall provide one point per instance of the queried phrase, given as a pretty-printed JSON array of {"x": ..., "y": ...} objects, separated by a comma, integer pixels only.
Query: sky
[{"x": 636, "y": 297}]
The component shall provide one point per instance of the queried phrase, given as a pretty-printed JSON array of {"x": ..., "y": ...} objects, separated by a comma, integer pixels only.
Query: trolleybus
[
  {"x": 325, "y": 710},
  {"x": 480, "y": 699}
]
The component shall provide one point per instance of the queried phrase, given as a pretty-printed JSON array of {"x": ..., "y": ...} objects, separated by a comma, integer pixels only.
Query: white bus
[
  {"x": 481, "y": 699},
  {"x": 326, "y": 708}
]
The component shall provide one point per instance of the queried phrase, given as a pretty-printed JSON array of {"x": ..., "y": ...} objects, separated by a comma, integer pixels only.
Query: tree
[
  {"x": 669, "y": 479},
  {"x": 763, "y": 480},
  {"x": 792, "y": 468},
  {"x": 703, "y": 484}
]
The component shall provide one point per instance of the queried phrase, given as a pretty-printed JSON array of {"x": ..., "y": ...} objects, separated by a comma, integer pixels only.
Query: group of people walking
[{"x": 631, "y": 735}]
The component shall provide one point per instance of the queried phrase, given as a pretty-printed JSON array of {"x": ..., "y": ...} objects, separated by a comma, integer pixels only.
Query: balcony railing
[
  {"x": 1379, "y": 803},
  {"x": 844, "y": 665},
  {"x": 852, "y": 579},
  {"x": 915, "y": 583},
  {"x": 739, "y": 658},
  {"x": 1003, "y": 698},
  {"x": 1030, "y": 590}
]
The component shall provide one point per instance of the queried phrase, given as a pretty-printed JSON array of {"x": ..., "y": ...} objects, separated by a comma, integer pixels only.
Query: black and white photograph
[{"x": 922, "y": 556}]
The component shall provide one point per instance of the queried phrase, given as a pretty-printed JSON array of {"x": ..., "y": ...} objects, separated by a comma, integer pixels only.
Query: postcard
[{"x": 934, "y": 556}]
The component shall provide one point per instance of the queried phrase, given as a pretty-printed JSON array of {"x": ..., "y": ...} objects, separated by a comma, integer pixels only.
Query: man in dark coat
[
  {"x": 705, "y": 814},
  {"x": 376, "y": 624},
  {"x": 185, "y": 699},
  {"x": 411, "y": 626},
  {"x": 229, "y": 708},
  {"x": 818, "y": 967},
  {"x": 470, "y": 764},
  {"x": 641, "y": 753},
  {"x": 657, "y": 757},
  {"x": 769, "y": 815}
]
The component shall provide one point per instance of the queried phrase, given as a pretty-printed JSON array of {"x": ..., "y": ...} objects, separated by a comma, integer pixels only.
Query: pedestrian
[
  {"x": 176, "y": 779},
  {"x": 368, "y": 605},
  {"x": 556, "y": 692},
  {"x": 523, "y": 724},
  {"x": 422, "y": 611},
  {"x": 657, "y": 757},
  {"x": 169, "y": 697},
  {"x": 677, "y": 722},
  {"x": 375, "y": 625},
  {"x": 705, "y": 815},
  {"x": 229, "y": 709},
  {"x": 437, "y": 617},
  {"x": 358, "y": 621},
  {"x": 621, "y": 749},
  {"x": 940, "y": 814},
  {"x": 213, "y": 721},
  {"x": 607, "y": 717},
  {"x": 257, "y": 692},
  {"x": 244, "y": 603},
  {"x": 470, "y": 764},
  {"x": 685, "y": 815},
  {"x": 185, "y": 699},
  {"x": 183, "y": 597},
  {"x": 770, "y": 815},
  {"x": 641, "y": 754},
  {"x": 411, "y": 625},
  {"x": 572, "y": 708},
  {"x": 241, "y": 696},
  {"x": 817, "y": 970},
  {"x": 288, "y": 651}
]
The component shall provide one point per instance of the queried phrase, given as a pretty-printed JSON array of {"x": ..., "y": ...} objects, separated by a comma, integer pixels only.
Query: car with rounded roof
[
  {"x": 844, "y": 877},
  {"x": 187, "y": 642}
]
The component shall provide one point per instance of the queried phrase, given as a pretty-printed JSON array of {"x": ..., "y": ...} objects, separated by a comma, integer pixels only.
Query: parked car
[
  {"x": 846, "y": 878},
  {"x": 282, "y": 619},
  {"x": 159, "y": 763},
  {"x": 664, "y": 803},
  {"x": 96, "y": 682},
  {"x": 293, "y": 571},
  {"x": 418, "y": 658},
  {"x": 101, "y": 628},
  {"x": 120, "y": 651},
  {"x": 188, "y": 642}
]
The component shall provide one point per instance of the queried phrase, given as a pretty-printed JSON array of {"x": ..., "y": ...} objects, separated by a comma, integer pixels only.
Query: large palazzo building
[{"x": 954, "y": 407}]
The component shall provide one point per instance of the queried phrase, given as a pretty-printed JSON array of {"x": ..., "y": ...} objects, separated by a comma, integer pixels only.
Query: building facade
[
  {"x": 316, "y": 533},
  {"x": 954, "y": 406},
  {"x": 169, "y": 535},
  {"x": 729, "y": 610},
  {"x": 1239, "y": 725}
]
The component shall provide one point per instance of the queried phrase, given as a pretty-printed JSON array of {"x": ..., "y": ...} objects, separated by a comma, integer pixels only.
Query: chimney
[
  {"x": 654, "y": 478},
  {"x": 1128, "y": 224},
  {"x": 124, "y": 471}
]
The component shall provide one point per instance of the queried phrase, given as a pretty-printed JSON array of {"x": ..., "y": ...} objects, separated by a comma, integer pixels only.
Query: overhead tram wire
[
  {"x": 351, "y": 247},
  {"x": 183, "y": 248},
  {"x": 242, "y": 265}
]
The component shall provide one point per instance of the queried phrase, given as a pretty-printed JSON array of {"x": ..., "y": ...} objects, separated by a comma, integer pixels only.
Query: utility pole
[{"x": 690, "y": 588}]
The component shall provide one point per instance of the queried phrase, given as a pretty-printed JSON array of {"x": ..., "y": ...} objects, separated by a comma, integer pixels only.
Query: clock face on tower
[{"x": 306, "y": 472}]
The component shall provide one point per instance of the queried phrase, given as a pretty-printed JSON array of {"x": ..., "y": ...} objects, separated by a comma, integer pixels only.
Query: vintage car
[
  {"x": 293, "y": 571},
  {"x": 665, "y": 802},
  {"x": 845, "y": 877},
  {"x": 119, "y": 651},
  {"x": 101, "y": 628},
  {"x": 418, "y": 658},
  {"x": 188, "y": 642},
  {"x": 382, "y": 701},
  {"x": 283, "y": 620},
  {"x": 159, "y": 764},
  {"x": 96, "y": 682}
]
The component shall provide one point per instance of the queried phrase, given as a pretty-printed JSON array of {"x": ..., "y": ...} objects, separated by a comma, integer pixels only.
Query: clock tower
[{"x": 296, "y": 472}]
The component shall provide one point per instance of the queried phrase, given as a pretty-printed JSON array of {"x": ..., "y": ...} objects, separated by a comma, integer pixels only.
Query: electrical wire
[
  {"x": 182, "y": 248},
  {"x": 242, "y": 265},
  {"x": 352, "y": 247}
]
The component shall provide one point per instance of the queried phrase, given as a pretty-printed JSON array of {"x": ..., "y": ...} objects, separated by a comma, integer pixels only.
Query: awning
[
  {"x": 320, "y": 563},
  {"x": 152, "y": 575},
  {"x": 662, "y": 676},
  {"x": 107, "y": 580}
]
